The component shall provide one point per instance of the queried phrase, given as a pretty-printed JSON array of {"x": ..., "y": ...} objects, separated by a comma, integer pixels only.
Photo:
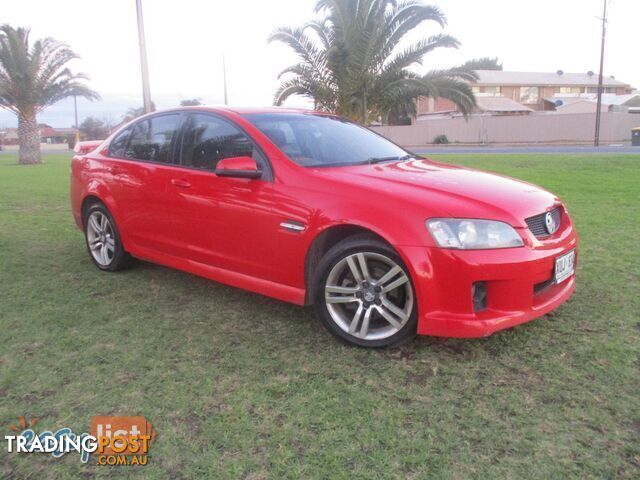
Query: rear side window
[
  {"x": 118, "y": 146},
  {"x": 151, "y": 139},
  {"x": 207, "y": 140}
]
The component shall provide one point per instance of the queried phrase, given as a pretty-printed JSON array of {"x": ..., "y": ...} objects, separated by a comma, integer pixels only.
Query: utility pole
[
  {"x": 146, "y": 94},
  {"x": 224, "y": 78},
  {"x": 596, "y": 141},
  {"x": 77, "y": 127}
]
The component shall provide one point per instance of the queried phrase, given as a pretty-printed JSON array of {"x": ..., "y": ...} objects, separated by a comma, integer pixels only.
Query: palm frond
[
  {"x": 415, "y": 53},
  {"x": 405, "y": 18},
  {"x": 304, "y": 47},
  {"x": 356, "y": 59},
  {"x": 322, "y": 31},
  {"x": 454, "y": 89}
]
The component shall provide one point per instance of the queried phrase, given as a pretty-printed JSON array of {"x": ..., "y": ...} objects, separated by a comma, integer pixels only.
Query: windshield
[{"x": 321, "y": 141}]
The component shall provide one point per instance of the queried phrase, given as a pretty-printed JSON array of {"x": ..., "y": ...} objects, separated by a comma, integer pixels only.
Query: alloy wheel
[
  {"x": 369, "y": 296},
  {"x": 100, "y": 238}
]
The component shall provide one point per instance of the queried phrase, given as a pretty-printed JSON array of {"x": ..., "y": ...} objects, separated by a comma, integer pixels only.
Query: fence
[{"x": 615, "y": 127}]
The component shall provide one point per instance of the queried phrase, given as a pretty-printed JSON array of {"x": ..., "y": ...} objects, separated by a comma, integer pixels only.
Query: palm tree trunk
[{"x": 29, "y": 139}]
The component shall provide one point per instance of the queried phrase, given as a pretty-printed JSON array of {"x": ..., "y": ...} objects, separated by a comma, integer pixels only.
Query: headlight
[{"x": 469, "y": 234}]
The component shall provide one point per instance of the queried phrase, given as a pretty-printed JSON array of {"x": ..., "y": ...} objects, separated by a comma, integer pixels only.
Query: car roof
[
  {"x": 221, "y": 109},
  {"x": 250, "y": 110}
]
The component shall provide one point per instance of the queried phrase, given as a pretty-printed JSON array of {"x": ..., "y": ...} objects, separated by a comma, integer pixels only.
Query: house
[
  {"x": 622, "y": 103},
  {"x": 572, "y": 105},
  {"x": 9, "y": 136},
  {"x": 535, "y": 91},
  {"x": 492, "y": 105},
  {"x": 49, "y": 134},
  {"x": 587, "y": 103},
  {"x": 500, "y": 105}
]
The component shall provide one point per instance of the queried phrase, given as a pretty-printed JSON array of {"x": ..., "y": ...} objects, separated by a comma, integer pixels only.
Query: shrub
[{"x": 441, "y": 139}]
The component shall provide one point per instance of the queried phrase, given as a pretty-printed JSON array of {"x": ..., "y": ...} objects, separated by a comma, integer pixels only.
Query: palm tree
[
  {"x": 191, "y": 102},
  {"x": 135, "y": 112},
  {"x": 355, "y": 60},
  {"x": 32, "y": 77},
  {"x": 484, "y": 63}
]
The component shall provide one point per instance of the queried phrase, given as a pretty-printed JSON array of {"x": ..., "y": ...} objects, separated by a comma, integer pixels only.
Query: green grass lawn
[{"x": 241, "y": 386}]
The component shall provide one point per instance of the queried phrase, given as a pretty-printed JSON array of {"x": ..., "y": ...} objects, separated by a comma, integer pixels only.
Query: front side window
[
  {"x": 208, "y": 139},
  {"x": 314, "y": 140},
  {"x": 118, "y": 145},
  {"x": 151, "y": 139}
]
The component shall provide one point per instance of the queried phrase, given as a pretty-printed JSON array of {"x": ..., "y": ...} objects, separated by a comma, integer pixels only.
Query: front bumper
[{"x": 519, "y": 283}]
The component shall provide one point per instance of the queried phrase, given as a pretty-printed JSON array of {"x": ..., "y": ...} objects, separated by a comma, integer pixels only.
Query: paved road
[{"x": 559, "y": 149}]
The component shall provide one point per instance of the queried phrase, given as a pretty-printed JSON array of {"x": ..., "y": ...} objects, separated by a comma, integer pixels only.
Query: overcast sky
[{"x": 186, "y": 41}]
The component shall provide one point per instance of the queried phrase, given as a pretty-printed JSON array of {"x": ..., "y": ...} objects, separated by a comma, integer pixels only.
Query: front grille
[{"x": 538, "y": 225}]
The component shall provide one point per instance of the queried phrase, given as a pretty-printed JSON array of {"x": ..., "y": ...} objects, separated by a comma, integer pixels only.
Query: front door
[{"x": 219, "y": 221}]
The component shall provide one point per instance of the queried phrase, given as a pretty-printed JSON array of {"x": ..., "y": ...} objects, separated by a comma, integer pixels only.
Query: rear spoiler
[{"x": 82, "y": 148}]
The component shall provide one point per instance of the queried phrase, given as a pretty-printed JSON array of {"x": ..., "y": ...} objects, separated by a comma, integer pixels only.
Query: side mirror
[{"x": 239, "y": 167}]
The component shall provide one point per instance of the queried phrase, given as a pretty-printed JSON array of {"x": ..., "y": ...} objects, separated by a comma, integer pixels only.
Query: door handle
[
  {"x": 177, "y": 182},
  {"x": 114, "y": 170}
]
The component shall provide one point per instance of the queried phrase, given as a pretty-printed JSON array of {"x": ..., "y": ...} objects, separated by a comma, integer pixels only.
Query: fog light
[{"x": 479, "y": 296}]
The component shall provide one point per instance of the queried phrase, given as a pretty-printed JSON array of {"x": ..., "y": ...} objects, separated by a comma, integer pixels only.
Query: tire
[
  {"x": 103, "y": 240},
  {"x": 373, "y": 307}
]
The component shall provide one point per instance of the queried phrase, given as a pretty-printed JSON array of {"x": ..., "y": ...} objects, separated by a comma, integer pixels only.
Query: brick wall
[{"x": 431, "y": 105}]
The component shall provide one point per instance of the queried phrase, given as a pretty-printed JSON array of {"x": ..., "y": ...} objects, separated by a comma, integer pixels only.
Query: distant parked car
[
  {"x": 311, "y": 208},
  {"x": 87, "y": 146}
]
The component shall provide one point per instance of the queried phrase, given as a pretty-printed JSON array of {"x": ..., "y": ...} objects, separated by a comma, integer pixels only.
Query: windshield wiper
[{"x": 373, "y": 160}]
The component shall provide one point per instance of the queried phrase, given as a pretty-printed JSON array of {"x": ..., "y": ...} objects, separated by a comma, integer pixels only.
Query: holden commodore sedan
[{"x": 310, "y": 208}]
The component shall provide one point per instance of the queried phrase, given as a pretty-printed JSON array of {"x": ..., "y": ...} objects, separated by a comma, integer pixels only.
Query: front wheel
[
  {"x": 363, "y": 293},
  {"x": 103, "y": 239}
]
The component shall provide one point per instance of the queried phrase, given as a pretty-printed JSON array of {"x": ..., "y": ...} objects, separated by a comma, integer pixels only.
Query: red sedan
[{"x": 311, "y": 208}]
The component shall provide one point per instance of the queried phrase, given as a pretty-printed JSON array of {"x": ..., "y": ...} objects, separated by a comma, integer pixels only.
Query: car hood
[{"x": 448, "y": 190}]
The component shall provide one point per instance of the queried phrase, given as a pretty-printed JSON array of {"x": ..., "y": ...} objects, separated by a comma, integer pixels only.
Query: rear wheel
[
  {"x": 363, "y": 293},
  {"x": 103, "y": 239}
]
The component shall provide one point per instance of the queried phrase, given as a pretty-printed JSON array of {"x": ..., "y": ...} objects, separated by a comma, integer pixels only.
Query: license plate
[{"x": 565, "y": 266}]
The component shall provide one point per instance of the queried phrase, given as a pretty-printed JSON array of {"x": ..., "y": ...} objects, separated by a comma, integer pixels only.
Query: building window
[
  {"x": 486, "y": 91},
  {"x": 570, "y": 90},
  {"x": 529, "y": 94},
  {"x": 604, "y": 90}
]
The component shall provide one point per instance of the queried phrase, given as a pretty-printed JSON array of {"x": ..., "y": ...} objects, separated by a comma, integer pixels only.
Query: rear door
[
  {"x": 220, "y": 221},
  {"x": 141, "y": 159}
]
